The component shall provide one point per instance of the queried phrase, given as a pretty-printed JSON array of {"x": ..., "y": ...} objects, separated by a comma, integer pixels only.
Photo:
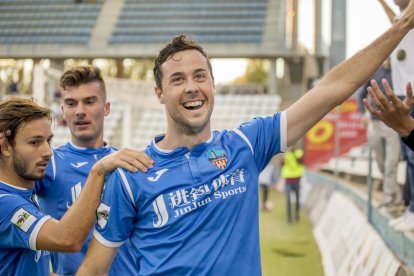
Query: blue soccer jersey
[
  {"x": 65, "y": 177},
  {"x": 195, "y": 212},
  {"x": 20, "y": 223}
]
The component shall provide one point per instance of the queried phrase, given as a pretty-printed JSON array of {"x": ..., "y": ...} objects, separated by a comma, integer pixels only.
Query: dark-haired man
[{"x": 196, "y": 211}]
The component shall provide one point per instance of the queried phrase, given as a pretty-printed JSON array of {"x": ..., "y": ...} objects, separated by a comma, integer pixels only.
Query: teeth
[{"x": 193, "y": 104}]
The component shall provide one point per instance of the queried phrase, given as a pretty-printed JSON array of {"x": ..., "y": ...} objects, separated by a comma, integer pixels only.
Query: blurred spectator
[
  {"x": 266, "y": 179},
  {"x": 402, "y": 66},
  {"x": 383, "y": 140},
  {"x": 13, "y": 88},
  {"x": 396, "y": 114},
  {"x": 292, "y": 171}
]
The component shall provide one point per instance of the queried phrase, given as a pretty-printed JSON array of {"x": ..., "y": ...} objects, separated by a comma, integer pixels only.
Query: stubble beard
[{"x": 21, "y": 169}]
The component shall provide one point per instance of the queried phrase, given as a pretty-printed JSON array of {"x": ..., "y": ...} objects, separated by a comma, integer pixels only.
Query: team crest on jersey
[
  {"x": 217, "y": 157},
  {"x": 102, "y": 214},
  {"x": 23, "y": 219}
]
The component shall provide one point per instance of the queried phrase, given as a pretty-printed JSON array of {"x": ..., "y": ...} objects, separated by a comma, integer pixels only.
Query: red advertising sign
[{"x": 320, "y": 140}]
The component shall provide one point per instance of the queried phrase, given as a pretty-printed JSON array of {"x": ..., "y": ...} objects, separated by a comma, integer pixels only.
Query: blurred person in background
[
  {"x": 397, "y": 115},
  {"x": 292, "y": 171},
  {"x": 402, "y": 72},
  {"x": 266, "y": 179},
  {"x": 383, "y": 140}
]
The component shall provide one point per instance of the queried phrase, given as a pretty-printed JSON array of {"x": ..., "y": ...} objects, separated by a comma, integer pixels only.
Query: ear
[
  {"x": 107, "y": 108},
  {"x": 4, "y": 146},
  {"x": 63, "y": 112},
  {"x": 159, "y": 94}
]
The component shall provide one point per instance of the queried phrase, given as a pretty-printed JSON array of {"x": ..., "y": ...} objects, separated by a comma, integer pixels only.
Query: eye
[
  {"x": 176, "y": 80},
  {"x": 34, "y": 142},
  {"x": 70, "y": 103},
  {"x": 200, "y": 76}
]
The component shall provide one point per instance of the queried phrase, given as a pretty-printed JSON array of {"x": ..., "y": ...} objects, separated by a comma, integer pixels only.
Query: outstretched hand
[
  {"x": 127, "y": 158},
  {"x": 391, "y": 110}
]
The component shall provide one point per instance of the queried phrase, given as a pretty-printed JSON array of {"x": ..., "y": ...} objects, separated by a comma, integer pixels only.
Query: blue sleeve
[
  {"x": 117, "y": 211},
  {"x": 267, "y": 137},
  {"x": 20, "y": 223}
]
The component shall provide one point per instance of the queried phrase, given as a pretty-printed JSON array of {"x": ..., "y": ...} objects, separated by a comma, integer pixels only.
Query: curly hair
[{"x": 177, "y": 44}]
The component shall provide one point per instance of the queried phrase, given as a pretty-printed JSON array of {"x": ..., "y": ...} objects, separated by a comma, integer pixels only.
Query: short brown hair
[
  {"x": 78, "y": 75},
  {"x": 16, "y": 112},
  {"x": 177, "y": 44}
]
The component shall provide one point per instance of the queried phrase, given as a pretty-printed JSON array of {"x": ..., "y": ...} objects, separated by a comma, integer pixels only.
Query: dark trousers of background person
[
  {"x": 265, "y": 189},
  {"x": 292, "y": 187},
  {"x": 408, "y": 195}
]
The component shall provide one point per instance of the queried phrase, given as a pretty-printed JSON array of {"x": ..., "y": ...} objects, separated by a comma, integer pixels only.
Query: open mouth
[
  {"x": 194, "y": 105},
  {"x": 81, "y": 123}
]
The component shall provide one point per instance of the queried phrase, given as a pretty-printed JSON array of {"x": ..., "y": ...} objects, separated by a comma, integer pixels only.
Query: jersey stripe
[
  {"x": 241, "y": 134},
  {"x": 127, "y": 186}
]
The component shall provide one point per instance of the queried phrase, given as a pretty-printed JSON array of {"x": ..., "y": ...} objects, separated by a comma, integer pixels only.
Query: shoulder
[{"x": 9, "y": 203}]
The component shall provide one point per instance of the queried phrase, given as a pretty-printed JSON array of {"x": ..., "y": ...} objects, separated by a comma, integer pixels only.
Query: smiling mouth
[{"x": 193, "y": 105}]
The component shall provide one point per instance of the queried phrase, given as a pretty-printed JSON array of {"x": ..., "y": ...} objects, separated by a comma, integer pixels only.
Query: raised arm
[
  {"x": 343, "y": 80},
  {"x": 391, "y": 110},
  {"x": 390, "y": 13},
  {"x": 69, "y": 234}
]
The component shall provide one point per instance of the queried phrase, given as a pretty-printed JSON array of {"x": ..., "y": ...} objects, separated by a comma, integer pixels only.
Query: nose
[
  {"x": 192, "y": 87},
  {"x": 80, "y": 110},
  {"x": 46, "y": 150}
]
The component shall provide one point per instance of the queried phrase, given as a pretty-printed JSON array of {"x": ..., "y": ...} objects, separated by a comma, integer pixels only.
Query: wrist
[{"x": 97, "y": 170}]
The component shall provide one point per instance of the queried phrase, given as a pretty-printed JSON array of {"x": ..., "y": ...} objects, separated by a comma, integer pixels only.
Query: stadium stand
[
  {"x": 47, "y": 22},
  {"x": 217, "y": 21}
]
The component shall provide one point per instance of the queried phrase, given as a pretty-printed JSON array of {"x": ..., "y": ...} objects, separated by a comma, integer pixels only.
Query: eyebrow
[{"x": 181, "y": 73}]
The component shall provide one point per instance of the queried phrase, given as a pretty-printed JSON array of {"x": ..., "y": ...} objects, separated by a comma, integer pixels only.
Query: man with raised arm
[{"x": 196, "y": 211}]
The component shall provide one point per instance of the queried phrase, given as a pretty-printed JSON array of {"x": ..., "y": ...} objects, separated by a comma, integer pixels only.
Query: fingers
[
  {"x": 378, "y": 97},
  {"x": 370, "y": 108},
  {"x": 135, "y": 158},
  {"x": 409, "y": 92},
  {"x": 129, "y": 159},
  {"x": 390, "y": 93}
]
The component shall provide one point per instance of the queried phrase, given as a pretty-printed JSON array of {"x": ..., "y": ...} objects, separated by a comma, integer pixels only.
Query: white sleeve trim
[
  {"x": 241, "y": 134},
  {"x": 126, "y": 184},
  {"x": 104, "y": 241},
  {"x": 53, "y": 161},
  {"x": 35, "y": 232},
  {"x": 283, "y": 131}
]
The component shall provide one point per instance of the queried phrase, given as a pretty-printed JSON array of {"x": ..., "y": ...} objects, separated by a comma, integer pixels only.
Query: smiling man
[{"x": 200, "y": 215}]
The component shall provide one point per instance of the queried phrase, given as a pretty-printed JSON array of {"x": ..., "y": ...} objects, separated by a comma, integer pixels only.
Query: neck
[
  {"x": 10, "y": 177},
  {"x": 96, "y": 143},
  {"x": 173, "y": 140}
]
